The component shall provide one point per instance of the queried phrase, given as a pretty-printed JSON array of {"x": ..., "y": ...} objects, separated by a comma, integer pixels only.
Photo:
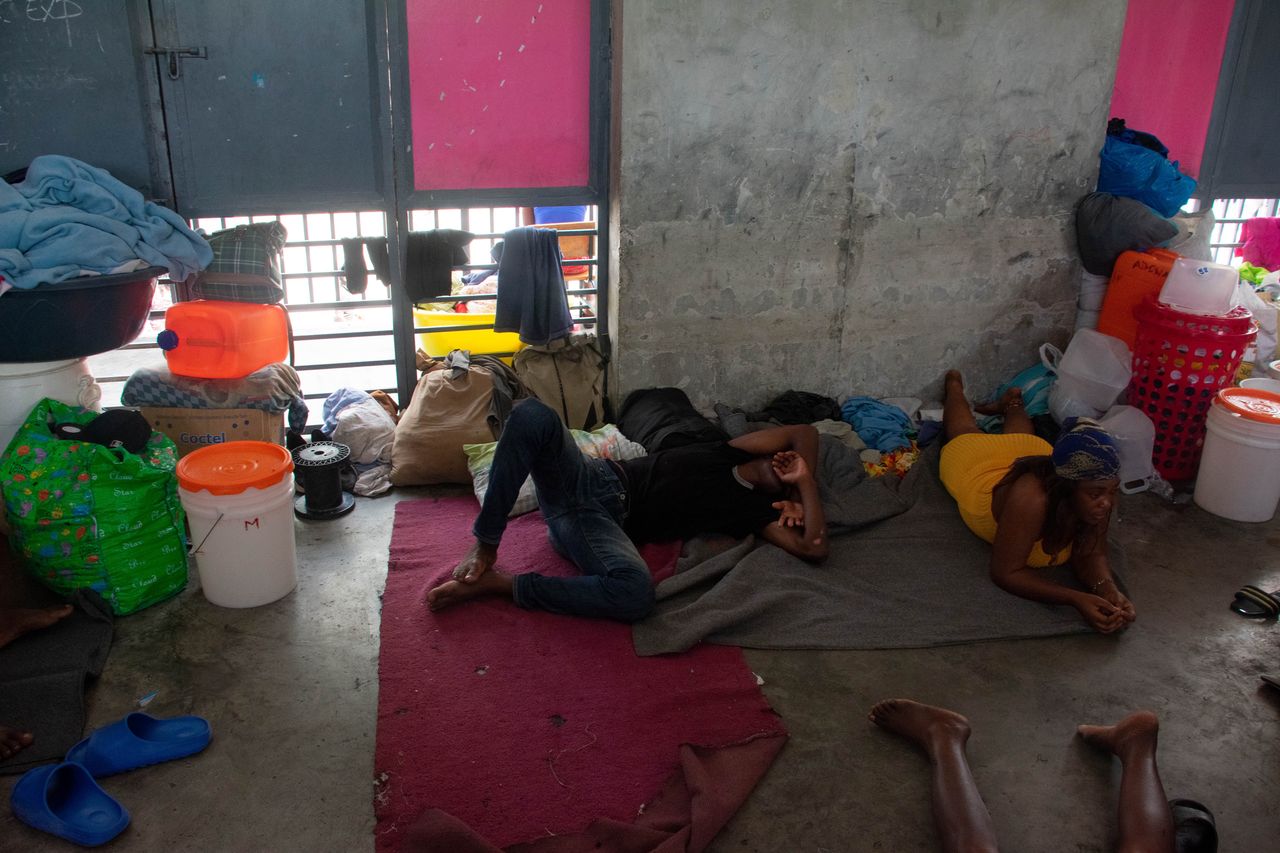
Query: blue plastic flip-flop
[
  {"x": 138, "y": 740},
  {"x": 63, "y": 800}
]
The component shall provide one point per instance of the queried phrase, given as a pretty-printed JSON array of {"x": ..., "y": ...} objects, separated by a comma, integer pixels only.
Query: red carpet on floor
[{"x": 525, "y": 726}]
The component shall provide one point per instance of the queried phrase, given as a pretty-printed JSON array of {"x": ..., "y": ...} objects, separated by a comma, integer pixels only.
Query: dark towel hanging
[
  {"x": 431, "y": 257},
  {"x": 531, "y": 295},
  {"x": 355, "y": 273}
]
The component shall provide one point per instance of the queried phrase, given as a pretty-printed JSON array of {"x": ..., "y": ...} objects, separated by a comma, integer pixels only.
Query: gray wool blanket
[{"x": 903, "y": 572}]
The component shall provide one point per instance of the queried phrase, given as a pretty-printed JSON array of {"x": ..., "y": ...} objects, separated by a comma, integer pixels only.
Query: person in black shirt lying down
[{"x": 597, "y": 509}]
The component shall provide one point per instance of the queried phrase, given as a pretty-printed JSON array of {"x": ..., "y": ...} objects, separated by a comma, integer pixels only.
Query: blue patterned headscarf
[{"x": 1085, "y": 451}]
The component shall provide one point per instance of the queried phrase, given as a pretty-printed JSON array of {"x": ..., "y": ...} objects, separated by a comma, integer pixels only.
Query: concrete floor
[{"x": 291, "y": 691}]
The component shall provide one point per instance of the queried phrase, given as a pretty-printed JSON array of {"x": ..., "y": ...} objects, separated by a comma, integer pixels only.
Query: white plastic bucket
[
  {"x": 239, "y": 500},
  {"x": 24, "y": 385},
  {"x": 1239, "y": 474},
  {"x": 1135, "y": 435}
]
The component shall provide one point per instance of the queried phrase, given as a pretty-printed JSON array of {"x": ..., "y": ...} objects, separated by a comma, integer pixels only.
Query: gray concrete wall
[{"x": 848, "y": 197}]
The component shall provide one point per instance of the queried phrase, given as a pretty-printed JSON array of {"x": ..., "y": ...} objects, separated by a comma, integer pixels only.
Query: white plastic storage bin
[{"x": 1200, "y": 287}]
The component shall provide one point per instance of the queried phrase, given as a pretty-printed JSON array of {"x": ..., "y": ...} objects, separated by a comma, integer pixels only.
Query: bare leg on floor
[
  {"x": 957, "y": 418},
  {"x": 960, "y": 815},
  {"x": 1146, "y": 822}
]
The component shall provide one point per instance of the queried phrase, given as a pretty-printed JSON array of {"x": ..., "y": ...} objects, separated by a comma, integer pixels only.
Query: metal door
[
  {"x": 74, "y": 80},
  {"x": 272, "y": 106}
]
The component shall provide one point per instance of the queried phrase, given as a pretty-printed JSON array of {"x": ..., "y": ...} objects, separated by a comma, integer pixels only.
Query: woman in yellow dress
[{"x": 1037, "y": 504}]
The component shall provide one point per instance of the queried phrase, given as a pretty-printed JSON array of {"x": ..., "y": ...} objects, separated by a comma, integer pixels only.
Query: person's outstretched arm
[
  {"x": 800, "y": 438},
  {"x": 1016, "y": 534}
]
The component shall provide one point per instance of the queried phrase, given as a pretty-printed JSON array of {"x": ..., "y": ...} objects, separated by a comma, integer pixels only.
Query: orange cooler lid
[
  {"x": 1251, "y": 404},
  {"x": 232, "y": 467}
]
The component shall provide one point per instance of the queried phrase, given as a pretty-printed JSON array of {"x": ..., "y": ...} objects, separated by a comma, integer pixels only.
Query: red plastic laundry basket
[{"x": 1180, "y": 361}]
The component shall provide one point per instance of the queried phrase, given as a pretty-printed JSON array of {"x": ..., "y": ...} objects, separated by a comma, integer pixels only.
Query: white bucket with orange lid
[
  {"x": 1239, "y": 474},
  {"x": 239, "y": 502}
]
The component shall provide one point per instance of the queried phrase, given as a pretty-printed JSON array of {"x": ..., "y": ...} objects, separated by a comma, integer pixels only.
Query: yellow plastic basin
[{"x": 478, "y": 341}]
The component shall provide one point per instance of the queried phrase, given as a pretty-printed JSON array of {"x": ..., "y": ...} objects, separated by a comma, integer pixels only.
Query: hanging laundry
[
  {"x": 1260, "y": 242},
  {"x": 68, "y": 218},
  {"x": 531, "y": 297},
  {"x": 430, "y": 259}
]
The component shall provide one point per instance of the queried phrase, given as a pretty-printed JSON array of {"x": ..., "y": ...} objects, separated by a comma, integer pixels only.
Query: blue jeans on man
[{"x": 584, "y": 504}]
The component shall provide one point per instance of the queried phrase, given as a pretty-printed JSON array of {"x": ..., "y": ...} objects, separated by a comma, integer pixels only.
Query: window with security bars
[{"x": 344, "y": 339}]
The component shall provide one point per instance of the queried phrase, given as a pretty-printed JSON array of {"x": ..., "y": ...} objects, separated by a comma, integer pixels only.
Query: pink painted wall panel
[
  {"x": 500, "y": 93},
  {"x": 1167, "y": 72}
]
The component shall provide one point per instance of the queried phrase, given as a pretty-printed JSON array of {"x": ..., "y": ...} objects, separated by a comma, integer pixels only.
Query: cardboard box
[{"x": 192, "y": 429}]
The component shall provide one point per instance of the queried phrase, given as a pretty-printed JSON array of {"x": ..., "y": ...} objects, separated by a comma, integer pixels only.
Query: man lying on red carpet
[{"x": 596, "y": 509}]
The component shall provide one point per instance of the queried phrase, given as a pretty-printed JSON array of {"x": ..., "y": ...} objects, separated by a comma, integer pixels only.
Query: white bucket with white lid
[
  {"x": 239, "y": 501},
  {"x": 1239, "y": 475}
]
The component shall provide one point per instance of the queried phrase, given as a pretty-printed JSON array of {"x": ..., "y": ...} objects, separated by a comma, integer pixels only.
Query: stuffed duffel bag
[{"x": 85, "y": 515}]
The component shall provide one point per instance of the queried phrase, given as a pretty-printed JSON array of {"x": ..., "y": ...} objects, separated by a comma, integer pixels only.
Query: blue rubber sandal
[
  {"x": 63, "y": 800},
  {"x": 139, "y": 740}
]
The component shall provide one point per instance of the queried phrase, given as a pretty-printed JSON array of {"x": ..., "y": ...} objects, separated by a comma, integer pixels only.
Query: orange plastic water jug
[
  {"x": 1136, "y": 276},
  {"x": 210, "y": 339}
]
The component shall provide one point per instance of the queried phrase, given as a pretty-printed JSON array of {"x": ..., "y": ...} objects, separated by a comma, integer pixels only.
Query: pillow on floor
[{"x": 604, "y": 442}]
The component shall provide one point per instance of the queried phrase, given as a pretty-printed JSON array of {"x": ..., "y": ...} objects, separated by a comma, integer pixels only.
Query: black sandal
[
  {"x": 1194, "y": 830},
  {"x": 1256, "y": 603}
]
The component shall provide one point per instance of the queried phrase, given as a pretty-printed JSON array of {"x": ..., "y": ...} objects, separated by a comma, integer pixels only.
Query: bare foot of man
[
  {"x": 15, "y": 623},
  {"x": 930, "y": 727},
  {"x": 13, "y": 741},
  {"x": 1138, "y": 731},
  {"x": 450, "y": 593},
  {"x": 478, "y": 560}
]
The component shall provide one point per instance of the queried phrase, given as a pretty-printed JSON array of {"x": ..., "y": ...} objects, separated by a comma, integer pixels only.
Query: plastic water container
[
  {"x": 1200, "y": 287},
  {"x": 210, "y": 339},
  {"x": 1135, "y": 435},
  {"x": 1239, "y": 474},
  {"x": 1092, "y": 374},
  {"x": 1135, "y": 276},
  {"x": 24, "y": 385},
  {"x": 239, "y": 500}
]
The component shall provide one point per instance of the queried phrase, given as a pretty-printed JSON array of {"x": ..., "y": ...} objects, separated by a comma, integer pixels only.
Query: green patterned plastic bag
[{"x": 85, "y": 515}]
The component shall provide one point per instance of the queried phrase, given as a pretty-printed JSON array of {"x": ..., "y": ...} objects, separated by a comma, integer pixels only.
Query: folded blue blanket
[{"x": 68, "y": 217}]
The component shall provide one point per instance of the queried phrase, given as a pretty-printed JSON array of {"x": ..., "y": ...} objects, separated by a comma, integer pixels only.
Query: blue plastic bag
[
  {"x": 1035, "y": 383},
  {"x": 1137, "y": 172}
]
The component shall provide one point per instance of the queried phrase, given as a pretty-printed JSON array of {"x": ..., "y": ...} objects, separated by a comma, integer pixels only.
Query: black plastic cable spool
[{"x": 318, "y": 466}]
